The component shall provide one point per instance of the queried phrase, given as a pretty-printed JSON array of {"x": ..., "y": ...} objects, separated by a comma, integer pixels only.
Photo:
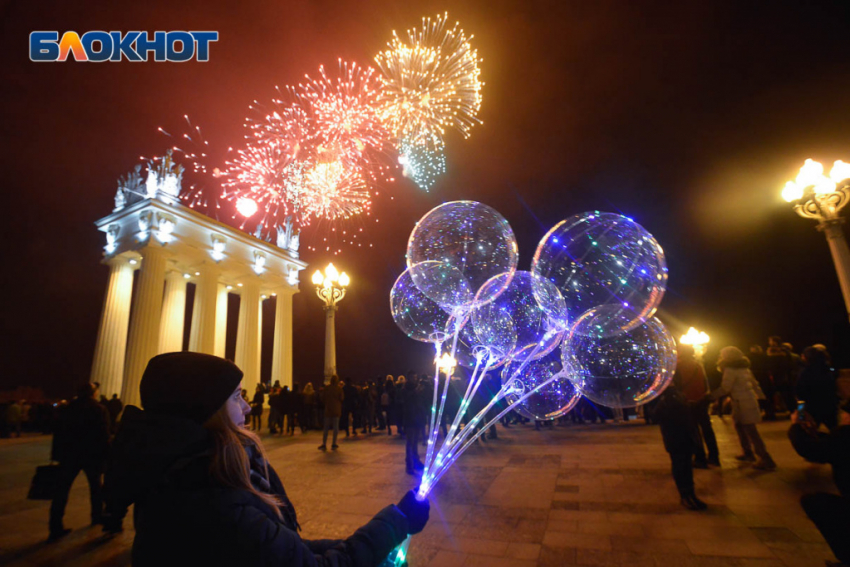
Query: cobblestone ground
[{"x": 578, "y": 495}]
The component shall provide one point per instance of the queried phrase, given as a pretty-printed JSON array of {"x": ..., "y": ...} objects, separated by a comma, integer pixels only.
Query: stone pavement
[{"x": 578, "y": 495}]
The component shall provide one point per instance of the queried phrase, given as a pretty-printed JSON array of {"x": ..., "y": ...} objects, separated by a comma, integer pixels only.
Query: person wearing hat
[
  {"x": 202, "y": 488},
  {"x": 740, "y": 384}
]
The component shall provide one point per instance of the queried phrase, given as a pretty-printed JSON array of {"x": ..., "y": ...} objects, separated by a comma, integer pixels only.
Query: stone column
[
  {"x": 248, "y": 336},
  {"x": 202, "y": 336},
  {"x": 330, "y": 342},
  {"x": 108, "y": 364},
  {"x": 220, "y": 321},
  {"x": 173, "y": 313},
  {"x": 282, "y": 355},
  {"x": 834, "y": 232},
  {"x": 145, "y": 321}
]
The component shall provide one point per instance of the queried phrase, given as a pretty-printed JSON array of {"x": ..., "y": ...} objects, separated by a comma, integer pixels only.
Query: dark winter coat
[
  {"x": 832, "y": 448},
  {"x": 183, "y": 517},
  {"x": 257, "y": 404},
  {"x": 81, "y": 432},
  {"x": 677, "y": 427},
  {"x": 333, "y": 398},
  {"x": 414, "y": 410},
  {"x": 816, "y": 387}
]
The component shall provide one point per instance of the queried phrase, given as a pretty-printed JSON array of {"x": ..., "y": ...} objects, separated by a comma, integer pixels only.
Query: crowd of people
[
  {"x": 779, "y": 385},
  {"x": 24, "y": 416}
]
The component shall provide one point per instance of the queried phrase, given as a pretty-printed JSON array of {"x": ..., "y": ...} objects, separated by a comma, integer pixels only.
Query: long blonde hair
[{"x": 230, "y": 465}]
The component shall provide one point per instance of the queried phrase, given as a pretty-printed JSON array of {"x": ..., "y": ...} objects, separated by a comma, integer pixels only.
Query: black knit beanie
[{"x": 188, "y": 384}]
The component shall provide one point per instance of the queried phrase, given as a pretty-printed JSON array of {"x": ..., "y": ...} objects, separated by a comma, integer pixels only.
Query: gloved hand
[{"x": 417, "y": 512}]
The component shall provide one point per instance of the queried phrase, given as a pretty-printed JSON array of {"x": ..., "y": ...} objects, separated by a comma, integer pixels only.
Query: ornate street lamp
[
  {"x": 697, "y": 339},
  {"x": 816, "y": 196},
  {"x": 330, "y": 287}
]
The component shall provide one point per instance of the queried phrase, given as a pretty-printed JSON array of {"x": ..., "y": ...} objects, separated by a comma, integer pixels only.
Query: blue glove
[{"x": 416, "y": 512}]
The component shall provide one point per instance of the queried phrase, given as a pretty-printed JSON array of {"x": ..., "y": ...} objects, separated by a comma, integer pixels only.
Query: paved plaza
[{"x": 578, "y": 495}]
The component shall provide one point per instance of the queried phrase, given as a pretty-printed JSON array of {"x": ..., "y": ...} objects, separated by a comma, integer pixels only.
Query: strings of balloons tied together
[{"x": 578, "y": 323}]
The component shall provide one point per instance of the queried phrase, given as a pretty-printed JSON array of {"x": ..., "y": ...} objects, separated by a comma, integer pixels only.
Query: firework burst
[
  {"x": 421, "y": 163},
  {"x": 335, "y": 191},
  {"x": 431, "y": 83},
  {"x": 345, "y": 119}
]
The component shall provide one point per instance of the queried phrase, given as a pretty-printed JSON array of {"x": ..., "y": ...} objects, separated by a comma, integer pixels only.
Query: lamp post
[
  {"x": 816, "y": 196},
  {"x": 697, "y": 339},
  {"x": 330, "y": 287}
]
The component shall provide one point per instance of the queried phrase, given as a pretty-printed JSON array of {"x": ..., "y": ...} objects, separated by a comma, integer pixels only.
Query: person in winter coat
[
  {"x": 742, "y": 387},
  {"x": 398, "y": 404},
  {"x": 332, "y": 397},
  {"x": 759, "y": 368},
  {"x": 203, "y": 490},
  {"x": 679, "y": 433},
  {"x": 691, "y": 380},
  {"x": 369, "y": 397},
  {"x": 414, "y": 421},
  {"x": 388, "y": 403},
  {"x": 827, "y": 511},
  {"x": 308, "y": 397},
  {"x": 80, "y": 443},
  {"x": 257, "y": 408},
  {"x": 350, "y": 407},
  {"x": 780, "y": 366},
  {"x": 816, "y": 387}
]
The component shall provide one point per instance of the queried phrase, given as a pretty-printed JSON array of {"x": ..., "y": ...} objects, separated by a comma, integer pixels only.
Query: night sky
[{"x": 687, "y": 116}]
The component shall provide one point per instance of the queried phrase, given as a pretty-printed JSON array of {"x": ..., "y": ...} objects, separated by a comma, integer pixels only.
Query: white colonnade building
[{"x": 165, "y": 246}]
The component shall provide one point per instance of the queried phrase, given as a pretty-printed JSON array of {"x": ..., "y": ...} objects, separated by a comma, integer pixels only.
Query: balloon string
[
  {"x": 444, "y": 456},
  {"x": 438, "y": 347},
  {"x": 471, "y": 389},
  {"x": 439, "y": 474}
]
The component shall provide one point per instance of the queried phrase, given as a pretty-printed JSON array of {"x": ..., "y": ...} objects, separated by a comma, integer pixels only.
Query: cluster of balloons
[{"x": 579, "y": 322}]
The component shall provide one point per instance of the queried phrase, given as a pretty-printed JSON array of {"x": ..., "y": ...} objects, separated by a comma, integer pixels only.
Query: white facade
[{"x": 171, "y": 245}]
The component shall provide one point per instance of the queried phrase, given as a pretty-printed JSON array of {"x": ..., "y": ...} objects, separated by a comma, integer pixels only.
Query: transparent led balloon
[
  {"x": 604, "y": 259},
  {"x": 445, "y": 285},
  {"x": 418, "y": 316},
  {"x": 471, "y": 243},
  {"x": 620, "y": 371},
  {"x": 552, "y": 400},
  {"x": 534, "y": 322},
  {"x": 482, "y": 348}
]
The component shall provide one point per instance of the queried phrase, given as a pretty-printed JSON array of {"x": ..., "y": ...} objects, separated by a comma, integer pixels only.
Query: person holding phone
[
  {"x": 816, "y": 386},
  {"x": 829, "y": 512}
]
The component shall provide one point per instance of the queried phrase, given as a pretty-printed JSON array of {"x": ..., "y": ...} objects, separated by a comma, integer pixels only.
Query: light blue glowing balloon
[
  {"x": 535, "y": 322},
  {"x": 418, "y": 316},
  {"x": 604, "y": 259},
  {"x": 620, "y": 371},
  {"x": 455, "y": 248},
  {"x": 549, "y": 402}
]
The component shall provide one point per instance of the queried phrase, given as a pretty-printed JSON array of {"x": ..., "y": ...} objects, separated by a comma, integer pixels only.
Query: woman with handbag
[{"x": 203, "y": 489}]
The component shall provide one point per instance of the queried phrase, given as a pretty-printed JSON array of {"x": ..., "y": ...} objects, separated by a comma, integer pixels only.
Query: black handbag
[{"x": 44, "y": 482}]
